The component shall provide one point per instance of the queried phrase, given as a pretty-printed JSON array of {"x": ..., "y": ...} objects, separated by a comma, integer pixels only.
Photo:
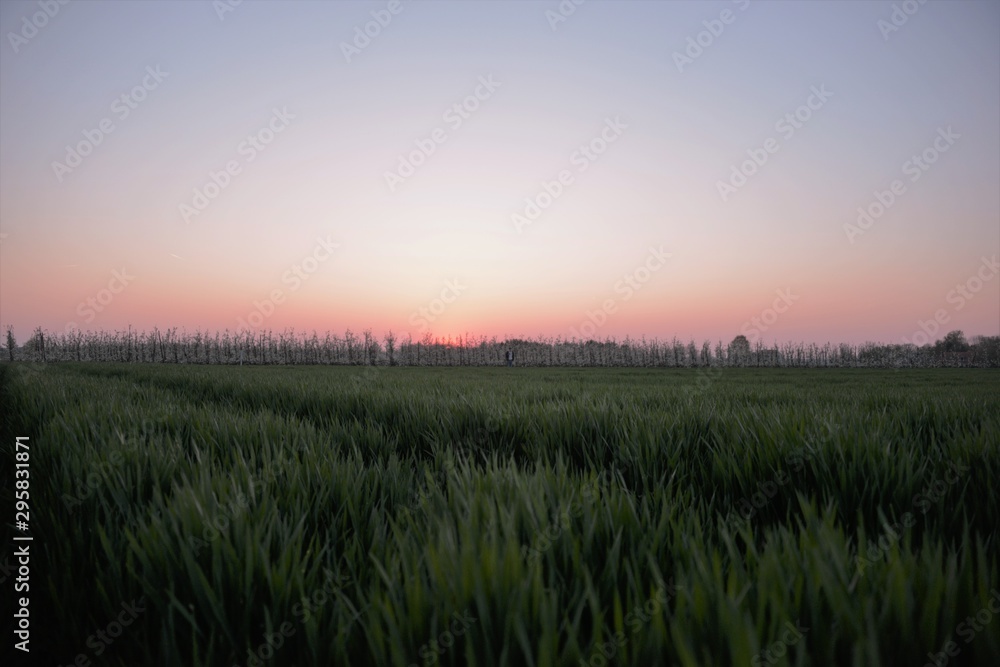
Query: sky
[{"x": 798, "y": 171}]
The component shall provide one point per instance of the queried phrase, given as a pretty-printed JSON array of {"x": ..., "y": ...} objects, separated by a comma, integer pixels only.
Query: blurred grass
[{"x": 547, "y": 504}]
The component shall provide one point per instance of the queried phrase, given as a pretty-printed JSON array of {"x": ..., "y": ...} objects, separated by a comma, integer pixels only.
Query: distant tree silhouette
[
  {"x": 739, "y": 350},
  {"x": 954, "y": 341},
  {"x": 390, "y": 347},
  {"x": 267, "y": 347},
  {"x": 11, "y": 343}
]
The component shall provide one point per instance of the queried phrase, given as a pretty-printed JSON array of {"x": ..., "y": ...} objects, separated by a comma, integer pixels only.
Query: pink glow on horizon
[{"x": 322, "y": 178}]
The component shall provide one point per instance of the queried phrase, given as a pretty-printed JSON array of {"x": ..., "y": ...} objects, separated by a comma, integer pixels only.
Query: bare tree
[
  {"x": 11, "y": 343},
  {"x": 390, "y": 347}
]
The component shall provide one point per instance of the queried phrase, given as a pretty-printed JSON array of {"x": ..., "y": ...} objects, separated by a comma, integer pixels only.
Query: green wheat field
[{"x": 199, "y": 515}]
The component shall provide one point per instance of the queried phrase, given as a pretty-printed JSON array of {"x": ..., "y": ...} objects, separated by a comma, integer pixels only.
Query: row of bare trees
[{"x": 289, "y": 347}]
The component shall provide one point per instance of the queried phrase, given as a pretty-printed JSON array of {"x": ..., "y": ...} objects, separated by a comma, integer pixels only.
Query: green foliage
[
  {"x": 954, "y": 341},
  {"x": 615, "y": 516}
]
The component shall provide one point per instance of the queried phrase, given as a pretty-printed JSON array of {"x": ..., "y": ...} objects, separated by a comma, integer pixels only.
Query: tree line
[{"x": 289, "y": 347}]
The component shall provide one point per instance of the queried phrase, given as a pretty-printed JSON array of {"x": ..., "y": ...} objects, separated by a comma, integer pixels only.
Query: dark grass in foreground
[{"x": 399, "y": 516}]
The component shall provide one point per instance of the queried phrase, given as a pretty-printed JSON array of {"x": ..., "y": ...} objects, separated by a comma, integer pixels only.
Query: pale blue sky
[{"x": 656, "y": 185}]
